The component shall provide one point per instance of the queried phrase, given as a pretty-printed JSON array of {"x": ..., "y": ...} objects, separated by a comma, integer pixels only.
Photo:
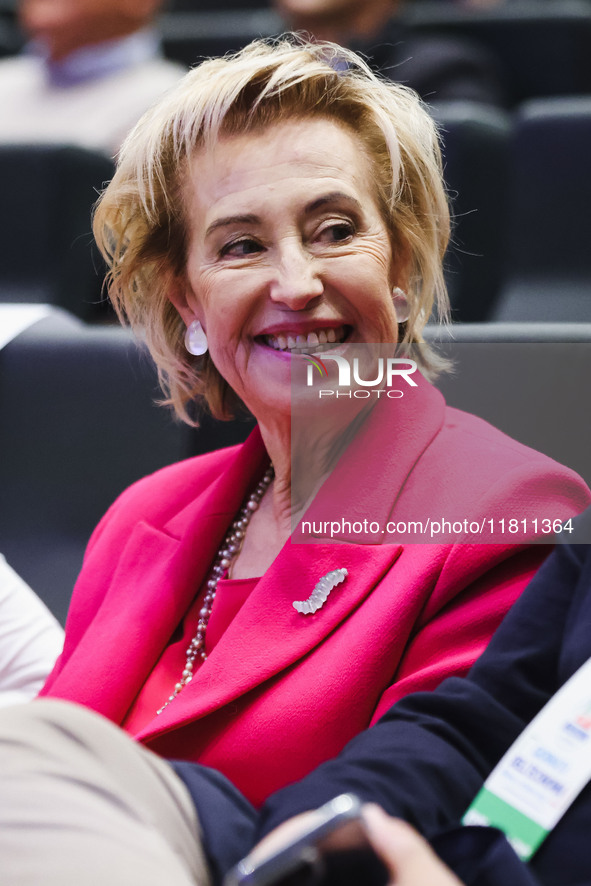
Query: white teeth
[{"x": 300, "y": 342}]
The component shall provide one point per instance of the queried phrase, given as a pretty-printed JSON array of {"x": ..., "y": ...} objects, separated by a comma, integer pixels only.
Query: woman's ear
[{"x": 183, "y": 299}]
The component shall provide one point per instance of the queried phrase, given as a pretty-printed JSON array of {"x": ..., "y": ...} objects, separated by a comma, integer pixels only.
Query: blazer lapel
[
  {"x": 268, "y": 634},
  {"x": 167, "y": 566}
]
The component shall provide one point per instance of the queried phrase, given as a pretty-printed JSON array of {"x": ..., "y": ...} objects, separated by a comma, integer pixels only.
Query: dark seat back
[
  {"x": 79, "y": 424},
  {"x": 188, "y": 37},
  {"x": 47, "y": 252},
  {"x": 528, "y": 379},
  {"x": 475, "y": 150},
  {"x": 548, "y": 272},
  {"x": 543, "y": 47}
]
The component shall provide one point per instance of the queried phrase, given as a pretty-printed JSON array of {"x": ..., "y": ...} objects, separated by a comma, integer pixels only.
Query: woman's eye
[
  {"x": 337, "y": 232},
  {"x": 241, "y": 248}
]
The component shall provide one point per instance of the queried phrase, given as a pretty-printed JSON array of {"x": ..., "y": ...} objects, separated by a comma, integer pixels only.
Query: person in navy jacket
[{"x": 426, "y": 759}]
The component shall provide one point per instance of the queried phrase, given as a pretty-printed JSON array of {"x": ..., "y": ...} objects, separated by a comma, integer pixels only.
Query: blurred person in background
[
  {"x": 30, "y": 639},
  {"x": 438, "y": 67},
  {"x": 89, "y": 71}
]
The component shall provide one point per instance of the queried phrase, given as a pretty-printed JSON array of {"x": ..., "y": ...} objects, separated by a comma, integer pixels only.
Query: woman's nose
[{"x": 297, "y": 278}]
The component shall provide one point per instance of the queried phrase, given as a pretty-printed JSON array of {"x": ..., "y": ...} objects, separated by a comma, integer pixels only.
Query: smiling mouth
[{"x": 313, "y": 343}]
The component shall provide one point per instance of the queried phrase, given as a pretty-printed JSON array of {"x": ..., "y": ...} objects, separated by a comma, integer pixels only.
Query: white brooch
[{"x": 319, "y": 595}]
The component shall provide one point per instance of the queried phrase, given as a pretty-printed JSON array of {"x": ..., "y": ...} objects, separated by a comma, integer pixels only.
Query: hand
[{"x": 408, "y": 857}]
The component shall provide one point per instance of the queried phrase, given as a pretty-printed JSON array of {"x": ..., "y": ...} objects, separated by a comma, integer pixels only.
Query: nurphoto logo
[{"x": 388, "y": 370}]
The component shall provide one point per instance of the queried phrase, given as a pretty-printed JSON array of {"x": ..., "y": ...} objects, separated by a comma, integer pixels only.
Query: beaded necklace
[{"x": 227, "y": 552}]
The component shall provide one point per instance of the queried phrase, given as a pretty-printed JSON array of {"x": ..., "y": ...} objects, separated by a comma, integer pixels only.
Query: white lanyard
[{"x": 543, "y": 771}]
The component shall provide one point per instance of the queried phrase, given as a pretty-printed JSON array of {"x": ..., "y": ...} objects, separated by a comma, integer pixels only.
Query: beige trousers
[{"x": 82, "y": 804}]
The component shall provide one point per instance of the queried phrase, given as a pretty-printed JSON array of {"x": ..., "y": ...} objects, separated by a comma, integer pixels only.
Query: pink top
[{"x": 231, "y": 595}]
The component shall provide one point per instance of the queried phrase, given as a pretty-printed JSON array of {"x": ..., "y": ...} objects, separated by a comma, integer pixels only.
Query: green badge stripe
[{"x": 524, "y": 834}]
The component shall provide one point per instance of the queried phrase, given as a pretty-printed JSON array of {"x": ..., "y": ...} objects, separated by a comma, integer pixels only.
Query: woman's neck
[
  {"x": 277, "y": 439},
  {"x": 302, "y": 458},
  {"x": 303, "y": 453}
]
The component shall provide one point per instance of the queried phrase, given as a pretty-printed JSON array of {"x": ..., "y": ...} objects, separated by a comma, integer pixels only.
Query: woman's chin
[{"x": 282, "y": 384}]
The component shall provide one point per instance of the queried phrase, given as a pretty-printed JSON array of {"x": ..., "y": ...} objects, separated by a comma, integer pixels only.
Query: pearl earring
[
  {"x": 401, "y": 306},
  {"x": 196, "y": 339}
]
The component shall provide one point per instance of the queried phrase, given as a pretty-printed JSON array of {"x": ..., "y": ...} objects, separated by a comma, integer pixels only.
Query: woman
[{"x": 268, "y": 209}]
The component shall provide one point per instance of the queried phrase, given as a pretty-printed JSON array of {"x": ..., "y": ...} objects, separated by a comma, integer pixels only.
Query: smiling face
[{"x": 288, "y": 254}]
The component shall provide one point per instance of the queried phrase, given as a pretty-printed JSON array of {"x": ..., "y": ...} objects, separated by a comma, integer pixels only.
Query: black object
[
  {"x": 189, "y": 37},
  {"x": 47, "y": 252},
  {"x": 334, "y": 852},
  {"x": 527, "y": 379},
  {"x": 548, "y": 261},
  {"x": 476, "y": 153},
  {"x": 543, "y": 48},
  {"x": 79, "y": 424}
]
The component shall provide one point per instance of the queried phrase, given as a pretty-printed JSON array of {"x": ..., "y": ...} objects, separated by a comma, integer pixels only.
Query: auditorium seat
[
  {"x": 216, "y": 5},
  {"x": 45, "y": 226},
  {"x": 10, "y": 40},
  {"x": 475, "y": 153},
  {"x": 528, "y": 379},
  {"x": 188, "y": 37},
  {"x": 543, "y": 47},
  {"x": 79, "y": 424},
  {"x": 548, "y": 262}
]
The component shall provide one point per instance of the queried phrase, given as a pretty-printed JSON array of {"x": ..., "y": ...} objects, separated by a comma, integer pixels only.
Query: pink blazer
[{"x": 282, "y": 692}]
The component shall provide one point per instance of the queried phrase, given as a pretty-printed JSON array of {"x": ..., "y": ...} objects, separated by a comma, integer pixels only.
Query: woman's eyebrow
[
  {"x": 313, "y": 206},
  {"x": 229, "y": 220},
  {"x": 333, "y": 197}
]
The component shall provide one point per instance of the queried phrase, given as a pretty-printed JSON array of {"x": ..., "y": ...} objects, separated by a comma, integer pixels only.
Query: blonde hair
[{"x": 140, "y": 223}]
